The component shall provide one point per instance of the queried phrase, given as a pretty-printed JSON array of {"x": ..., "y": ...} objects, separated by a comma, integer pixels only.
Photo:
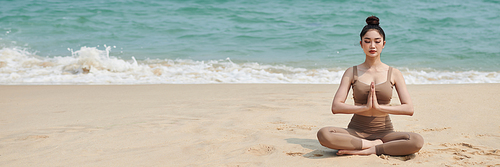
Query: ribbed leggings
[{"x": 371, "y": 128}]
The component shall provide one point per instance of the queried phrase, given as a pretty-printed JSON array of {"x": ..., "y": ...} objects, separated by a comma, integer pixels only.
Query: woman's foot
[
  {"x": 370, "y": 143},
  {"x": 367, "y": 151},
  {"x": 368, "y": 148}
]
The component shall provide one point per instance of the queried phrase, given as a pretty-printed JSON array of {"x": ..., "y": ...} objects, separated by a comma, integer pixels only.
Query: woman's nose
[{"x": 372, "y": 45}]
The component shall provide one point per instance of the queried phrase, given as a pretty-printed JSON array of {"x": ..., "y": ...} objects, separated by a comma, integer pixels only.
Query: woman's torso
[{"x": 361, "y": 90}]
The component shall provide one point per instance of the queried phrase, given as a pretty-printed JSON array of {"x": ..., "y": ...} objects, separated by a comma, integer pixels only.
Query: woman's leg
[
  {"x": 400, "y": 143},
  {"x": 342, "y": 139}
]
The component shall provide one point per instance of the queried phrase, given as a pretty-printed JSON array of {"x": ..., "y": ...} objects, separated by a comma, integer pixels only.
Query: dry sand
[{"x": 230, "y": 125}]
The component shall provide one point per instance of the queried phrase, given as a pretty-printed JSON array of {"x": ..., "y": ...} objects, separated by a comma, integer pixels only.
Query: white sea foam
[{"x": 90, "y": 65}]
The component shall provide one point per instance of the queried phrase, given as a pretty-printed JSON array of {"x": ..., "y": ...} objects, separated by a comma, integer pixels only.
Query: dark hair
[{"x": 372, "y": 23}]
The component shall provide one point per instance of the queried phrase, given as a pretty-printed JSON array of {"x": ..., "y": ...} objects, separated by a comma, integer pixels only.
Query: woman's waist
[{"x": 371, "y": 124}]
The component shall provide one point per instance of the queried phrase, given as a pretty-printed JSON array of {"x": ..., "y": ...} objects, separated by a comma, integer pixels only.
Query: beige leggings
[{"x": 371, "y": 128}]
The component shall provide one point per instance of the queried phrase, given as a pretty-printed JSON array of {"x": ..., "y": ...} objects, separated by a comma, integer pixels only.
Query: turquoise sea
[{"x": 222, "y": 41}]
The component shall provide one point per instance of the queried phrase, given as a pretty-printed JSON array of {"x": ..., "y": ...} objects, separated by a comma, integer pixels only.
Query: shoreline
[
  {"x": 230, "y": 125},
  {"x": 92, "y": 66}
]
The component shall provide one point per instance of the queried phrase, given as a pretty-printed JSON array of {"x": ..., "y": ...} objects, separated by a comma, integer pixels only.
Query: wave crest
[{"x": 90, "y": 65}]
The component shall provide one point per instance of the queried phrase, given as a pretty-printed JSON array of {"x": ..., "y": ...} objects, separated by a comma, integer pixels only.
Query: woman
[{"x": 370, "y": 130}]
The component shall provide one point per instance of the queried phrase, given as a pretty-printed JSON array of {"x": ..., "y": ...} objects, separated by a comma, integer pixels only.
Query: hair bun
[{"x": 372, "y": 20}]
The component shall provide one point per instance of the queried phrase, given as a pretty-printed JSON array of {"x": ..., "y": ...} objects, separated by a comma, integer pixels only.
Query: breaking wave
[{"x": 89, "y": 65}]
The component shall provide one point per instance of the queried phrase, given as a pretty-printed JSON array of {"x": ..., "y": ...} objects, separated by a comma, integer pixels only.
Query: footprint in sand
[
  {"x": 261, "y": 149},
  {"x": 465, "y": 148},
  {"x": 468, "y": 154}
]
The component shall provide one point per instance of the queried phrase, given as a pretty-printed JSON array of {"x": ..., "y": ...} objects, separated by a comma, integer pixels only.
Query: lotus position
[{"x": 370, "y": 130}]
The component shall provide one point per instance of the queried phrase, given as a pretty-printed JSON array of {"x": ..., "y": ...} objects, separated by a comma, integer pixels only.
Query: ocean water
[{"x": 50, "y": 42}]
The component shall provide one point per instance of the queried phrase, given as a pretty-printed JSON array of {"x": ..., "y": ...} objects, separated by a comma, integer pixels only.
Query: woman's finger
[
  {"x": 372, "y": 86},
  {"x": 369, "y": 101},
  {"x": 374, "y": 96},
  {"x": 372, "y": 91}
]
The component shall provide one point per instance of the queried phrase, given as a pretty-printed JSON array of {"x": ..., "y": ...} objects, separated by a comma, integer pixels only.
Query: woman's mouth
[{"x": 373, "y": 51}]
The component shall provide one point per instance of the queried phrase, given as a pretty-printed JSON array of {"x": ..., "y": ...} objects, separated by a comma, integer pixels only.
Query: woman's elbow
[
  {"x": 410, "y": 110},
  {"x": 337, "y": 108},
  {"x": 334, "y": 109}
]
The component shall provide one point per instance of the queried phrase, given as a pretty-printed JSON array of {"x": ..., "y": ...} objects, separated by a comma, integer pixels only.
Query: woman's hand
[
  {"x": 369, "y": 101},
  {"x": 372, "y": 102},
  {"x": 375, "y": 104}
]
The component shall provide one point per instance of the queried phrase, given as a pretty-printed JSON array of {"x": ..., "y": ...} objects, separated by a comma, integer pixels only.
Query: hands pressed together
[{"x": 372, "y": 102}]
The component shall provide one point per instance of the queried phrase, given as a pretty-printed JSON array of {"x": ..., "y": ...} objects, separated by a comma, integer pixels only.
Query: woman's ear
[{"x": 383, "y": 45}]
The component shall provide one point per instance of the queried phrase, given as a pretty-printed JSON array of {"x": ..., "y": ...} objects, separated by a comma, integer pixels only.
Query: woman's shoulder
[
  {"x": 396, "y": 72},
  {"x": 349, "y": 71},
  {"x": 396, "y": 75},
  {"x": 348, "y": 75}
]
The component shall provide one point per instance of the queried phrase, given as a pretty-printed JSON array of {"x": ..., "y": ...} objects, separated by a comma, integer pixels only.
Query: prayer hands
[{"x": 372, "y": 102}]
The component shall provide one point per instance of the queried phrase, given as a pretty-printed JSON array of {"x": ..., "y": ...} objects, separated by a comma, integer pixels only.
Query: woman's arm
[
  {"x": 339, "y": 106},
  {"x": 406, "y": 107}
]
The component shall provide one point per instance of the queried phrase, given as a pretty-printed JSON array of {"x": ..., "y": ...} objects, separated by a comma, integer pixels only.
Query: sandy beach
[{"x": 231, "y": 125}]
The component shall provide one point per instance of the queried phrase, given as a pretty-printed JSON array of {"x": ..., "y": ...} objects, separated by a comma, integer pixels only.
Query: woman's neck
[{"x": 372, "y": 62}]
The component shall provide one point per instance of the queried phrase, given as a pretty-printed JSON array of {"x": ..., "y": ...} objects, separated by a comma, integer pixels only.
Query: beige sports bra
[{"x": 361, "y": 90}]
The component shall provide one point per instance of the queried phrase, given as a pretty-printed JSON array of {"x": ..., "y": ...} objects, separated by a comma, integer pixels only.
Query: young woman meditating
[{"x": 370, "y": 130}]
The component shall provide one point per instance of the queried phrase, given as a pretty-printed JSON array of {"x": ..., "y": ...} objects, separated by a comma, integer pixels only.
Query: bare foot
[
  {"x": 368, "y": 151},
  {"x": 377, "y": 142},
  {"x": 371, "y": 143}
]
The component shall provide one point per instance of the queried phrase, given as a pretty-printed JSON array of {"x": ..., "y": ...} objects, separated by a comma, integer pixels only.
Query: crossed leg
[{"x": 348, "y": 142}]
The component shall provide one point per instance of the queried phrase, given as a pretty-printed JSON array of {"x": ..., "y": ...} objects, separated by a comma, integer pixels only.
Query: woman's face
[{"x": 372, "y": 43}]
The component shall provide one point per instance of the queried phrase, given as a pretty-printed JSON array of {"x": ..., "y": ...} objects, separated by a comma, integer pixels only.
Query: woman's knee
[
  {"x": 417, "y": 141},
  {"x": 327, "y": 135},
  {"x": 323, "y": 134},
  {"x": 338, "y": 138}
]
